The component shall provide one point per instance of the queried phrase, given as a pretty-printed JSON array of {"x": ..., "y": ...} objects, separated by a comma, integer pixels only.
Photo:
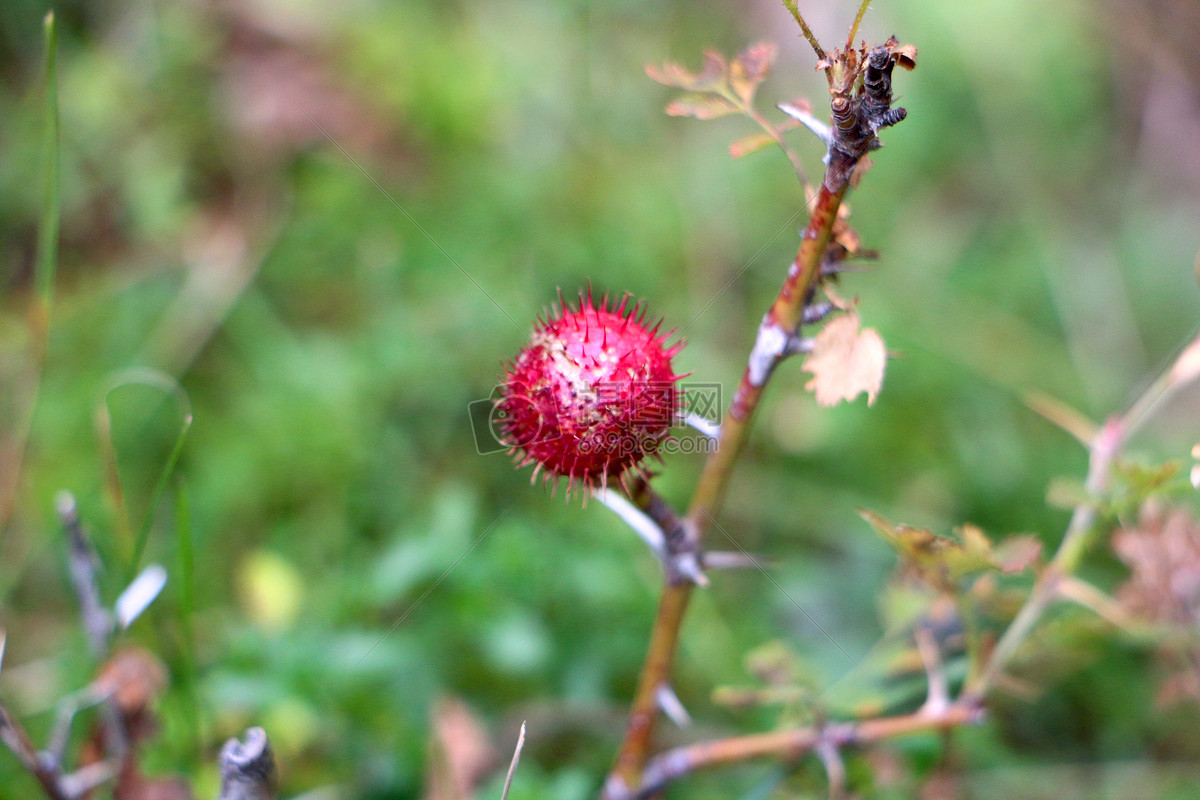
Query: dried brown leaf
[
  {"x": 863, "y": 164},
  {"x": 843, "y": 234},
  {"x": 836, "y": 299},
  {"x": 134, "y": 677},
  {"x": 701, "y": 106},
  {"x": 846, "y": 362},
  {"x": 751, "y": 68},
  {"x": 905, "y": 56},
  {"x": 1163, "y": 555}
]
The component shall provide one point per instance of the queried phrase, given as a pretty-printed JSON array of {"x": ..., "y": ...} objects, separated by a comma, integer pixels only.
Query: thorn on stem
[
  {"x": 671, "y": 705},
  {"x": 730, "y": 559},
  {"x": 512, "y": 766},
  {"x": 805, "y": 118},
  {"x": 687, "y": 565},
  {"x": 705, "y": 426},
  {"x": 835, "y": 769},
  {"x": 248, "y": 769},
  {"x": 938, "y": 699}
]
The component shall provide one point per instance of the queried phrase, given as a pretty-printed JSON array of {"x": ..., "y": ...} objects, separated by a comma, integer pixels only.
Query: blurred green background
[{"x": 331, "y": 223}]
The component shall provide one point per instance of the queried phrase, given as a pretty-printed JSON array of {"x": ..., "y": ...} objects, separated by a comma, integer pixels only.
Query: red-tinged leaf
[
  {"x": 751, "y": 68},
  {"x": 846, "y": 362},
  {"x": 711, "y": 77},
  {"x": 1016, "y": 553},
  {"x": 750, "y": 144},
  {"x": 701, "y": 106}
]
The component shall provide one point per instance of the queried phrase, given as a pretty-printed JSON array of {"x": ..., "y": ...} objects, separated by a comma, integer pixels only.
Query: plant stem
[
  {"x": 774, "y": 334},
  {"x": 656, "y": 671},
  {"x": 794, "y": 742},
  {"x": 858, "y": 18},
  {"x": 1104, "y": 449},
  {"x": 807, "y": 31},
  {"x": 14, "y": 736},
  {"x": 1053, "y": 584},
  {"x": 26, "y": 388},
  {"x": 47, "y": 252},
  {"x": 782, "y": 319}
]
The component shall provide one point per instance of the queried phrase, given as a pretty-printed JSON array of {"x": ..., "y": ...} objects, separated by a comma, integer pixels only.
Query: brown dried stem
[
  {"x": 793, "y": 743},
  {"x": 13, "y": 734},
  {"x": 97, "y": 622}
]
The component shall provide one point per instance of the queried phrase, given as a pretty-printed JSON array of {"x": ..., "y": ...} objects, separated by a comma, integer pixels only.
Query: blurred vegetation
[{"x": 330, "y": 223}]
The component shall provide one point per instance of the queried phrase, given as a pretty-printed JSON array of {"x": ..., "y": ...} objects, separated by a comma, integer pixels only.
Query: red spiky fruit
[{"x": 592, "y": 394}]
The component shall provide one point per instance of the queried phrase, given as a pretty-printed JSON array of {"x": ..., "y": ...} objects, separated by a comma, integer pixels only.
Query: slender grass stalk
[
  {"x": 187, "y": 565},
  {"x": 135, "y": 546},
  {"x": 47, "y": 252},
  {"x": 187, "y": 608},
  {"x": 27, "y": 384},
  {"x": 160, "y": 486}
]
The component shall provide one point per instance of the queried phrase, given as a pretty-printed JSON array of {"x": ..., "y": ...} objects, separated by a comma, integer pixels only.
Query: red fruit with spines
[{"x": 592, "y": 394}]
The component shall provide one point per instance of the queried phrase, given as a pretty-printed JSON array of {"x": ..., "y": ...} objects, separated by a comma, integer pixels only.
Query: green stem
[
  {"x": 1066, "y": 559},
  {"x": 858, "y": 18},
  {"x": 790, "y": 5}
]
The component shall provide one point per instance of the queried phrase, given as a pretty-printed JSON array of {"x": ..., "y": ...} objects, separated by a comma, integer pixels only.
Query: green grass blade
[
  {"x": 47, "y": 252},
  {"x": 160, "y": 486},
  {"x": 187, "y": 605}
]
